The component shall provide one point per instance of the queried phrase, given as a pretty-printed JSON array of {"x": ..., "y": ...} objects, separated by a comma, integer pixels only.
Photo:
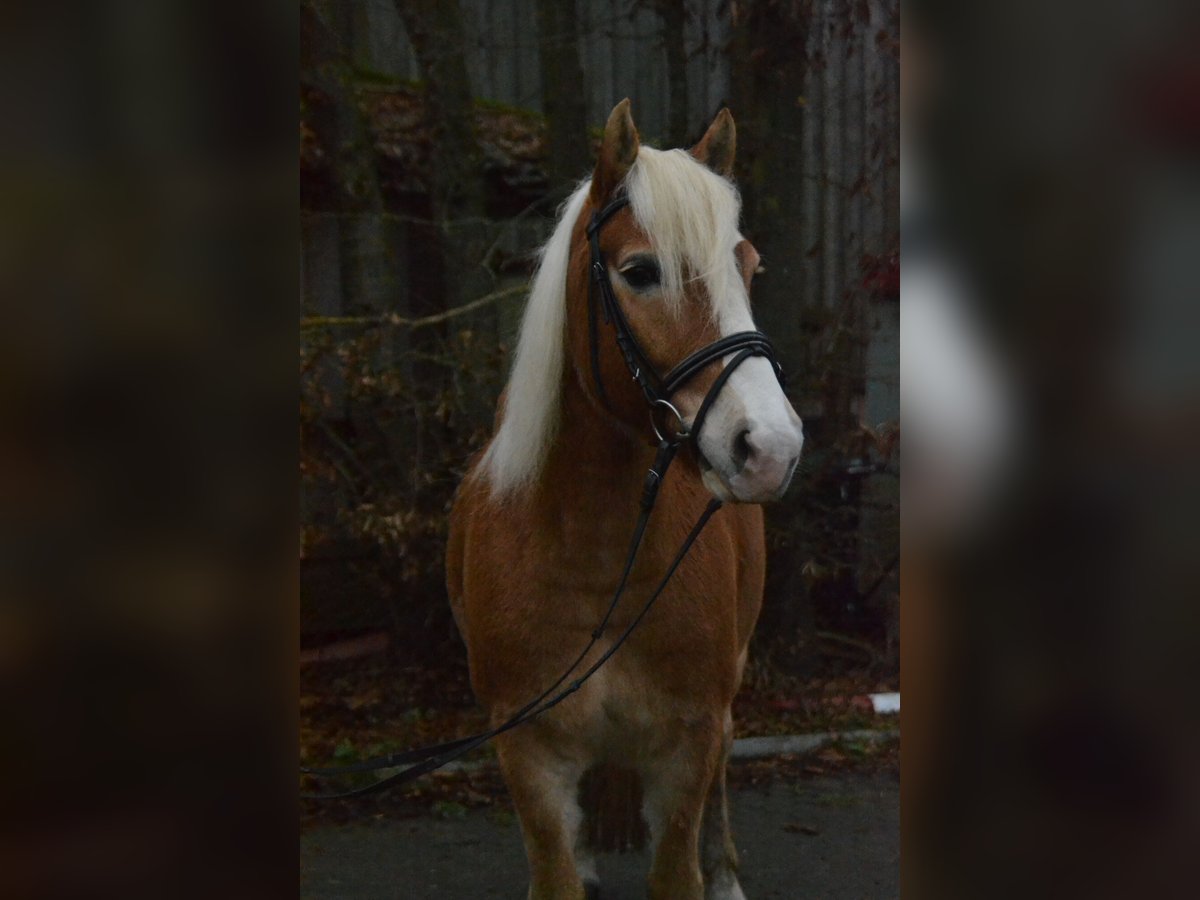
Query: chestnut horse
[{"x": 541, "y": 524}]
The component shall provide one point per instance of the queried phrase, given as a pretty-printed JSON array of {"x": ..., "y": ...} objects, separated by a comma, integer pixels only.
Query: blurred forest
[{"x": 437, "y": 139}]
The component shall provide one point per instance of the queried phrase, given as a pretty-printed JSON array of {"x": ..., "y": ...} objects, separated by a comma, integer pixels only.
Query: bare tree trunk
[
  {"x": 673, "y": 14},
  {"x": 564, "y": 95},
  {"x": 446, "y": 252},
  {"x": 342, "y": 129},
  {"x": 436, "y": 33},
  {"x": 769, "y": 69},
  {"x": 445, "y": 246}
]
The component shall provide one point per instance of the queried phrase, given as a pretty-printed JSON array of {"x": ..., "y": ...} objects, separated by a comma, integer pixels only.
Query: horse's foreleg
[
  {"x": 544, "y": 788},
  {"x": 718, "y": 856},
  {"x": 675, "y": 789}
]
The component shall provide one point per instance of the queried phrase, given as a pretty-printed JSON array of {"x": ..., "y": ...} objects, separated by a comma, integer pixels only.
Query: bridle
[{"x": 658, "y": 392}]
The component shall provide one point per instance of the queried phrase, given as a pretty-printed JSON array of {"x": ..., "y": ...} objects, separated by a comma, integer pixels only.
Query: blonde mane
[{"x": 691, "y": 217}]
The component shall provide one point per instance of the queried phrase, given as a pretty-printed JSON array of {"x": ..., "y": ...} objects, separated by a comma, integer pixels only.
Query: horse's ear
[
  {"x": 617, "y": 152},
  {"x": 719, "y": 145}
]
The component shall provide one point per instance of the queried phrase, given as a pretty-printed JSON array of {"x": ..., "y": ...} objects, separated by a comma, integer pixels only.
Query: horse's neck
[
  {"x": 586, "y": 503},
  {"x": 588, "y": 499},
  {"x": 591, "y": 454}
]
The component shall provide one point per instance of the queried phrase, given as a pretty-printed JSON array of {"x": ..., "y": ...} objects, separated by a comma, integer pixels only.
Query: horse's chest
[
  {"x": 623, "y": 711},
  {"x": 635, "y": 706}
]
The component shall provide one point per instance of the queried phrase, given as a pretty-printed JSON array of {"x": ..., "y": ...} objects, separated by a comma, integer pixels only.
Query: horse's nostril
[{"x": 741, "y": 448}]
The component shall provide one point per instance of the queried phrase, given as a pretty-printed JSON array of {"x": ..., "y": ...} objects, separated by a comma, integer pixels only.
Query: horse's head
[{"x": 681, "y": 273}]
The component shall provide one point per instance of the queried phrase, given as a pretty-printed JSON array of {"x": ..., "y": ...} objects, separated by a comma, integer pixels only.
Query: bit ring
[{"x": 682, "y": 433}]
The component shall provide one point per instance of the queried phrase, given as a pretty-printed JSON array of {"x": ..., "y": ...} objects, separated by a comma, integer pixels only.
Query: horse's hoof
[{"x": 591, "y": 890}]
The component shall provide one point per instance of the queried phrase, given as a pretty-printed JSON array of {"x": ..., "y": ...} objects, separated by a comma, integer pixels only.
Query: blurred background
[
  {"x": 1051, "y": 220},
  {"x": 436, "y": 142}
]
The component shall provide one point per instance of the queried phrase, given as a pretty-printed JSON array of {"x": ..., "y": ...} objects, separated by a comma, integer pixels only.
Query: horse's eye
[{"x": 641, "y": 276}]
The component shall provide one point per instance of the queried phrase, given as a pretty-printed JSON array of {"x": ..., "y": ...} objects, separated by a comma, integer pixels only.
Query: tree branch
[{"x": 310, "y": 322}]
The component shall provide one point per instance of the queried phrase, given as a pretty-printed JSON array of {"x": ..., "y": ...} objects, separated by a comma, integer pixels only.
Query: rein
[{"x": 658, "y": 392}]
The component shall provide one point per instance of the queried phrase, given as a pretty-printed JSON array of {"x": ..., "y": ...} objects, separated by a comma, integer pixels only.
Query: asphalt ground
[{"x": 830, "y": 837}]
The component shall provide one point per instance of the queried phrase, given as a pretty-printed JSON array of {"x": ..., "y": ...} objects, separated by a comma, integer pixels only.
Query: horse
[{"x": 540, "y": 524}]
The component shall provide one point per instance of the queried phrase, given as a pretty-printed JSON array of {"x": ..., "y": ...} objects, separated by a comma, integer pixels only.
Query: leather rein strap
[{"x": 658, "y": 391}]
